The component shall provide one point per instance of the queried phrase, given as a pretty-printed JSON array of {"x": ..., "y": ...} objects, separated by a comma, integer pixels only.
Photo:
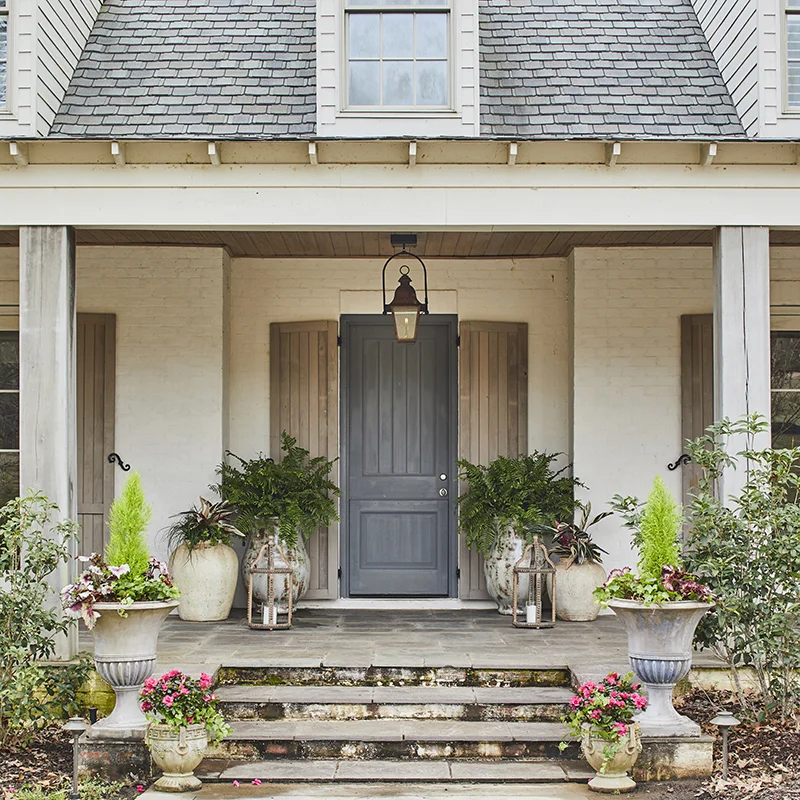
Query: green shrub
[
  {"x": 91, "y": 789},
  {"x": 127, "y": 521},
  {"x": 659, "y": 529}
]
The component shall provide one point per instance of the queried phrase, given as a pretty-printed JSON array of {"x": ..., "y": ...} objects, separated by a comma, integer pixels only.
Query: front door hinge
[
  {"x": 338, "y": 341},
  {"x": 339, "y": 573},
  {"x": 458, "y": 574},
  {"x": 458, "y": 341}
]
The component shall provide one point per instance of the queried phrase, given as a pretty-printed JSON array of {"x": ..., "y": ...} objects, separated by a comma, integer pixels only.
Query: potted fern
[
  {"x": 660, "y": 606},
  {"x": 203, "y": 564},
  {"x": 288, "y": 499},
  {"x": 124, "y": 599},
  {"x": 504, "y": 505}
]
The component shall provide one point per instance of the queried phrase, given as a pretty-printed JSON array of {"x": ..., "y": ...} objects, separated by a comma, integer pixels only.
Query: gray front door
[{"x": 399, "y": 430}]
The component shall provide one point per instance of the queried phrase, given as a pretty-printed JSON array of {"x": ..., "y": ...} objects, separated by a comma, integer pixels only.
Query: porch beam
[
  {"x": 48, "y": 439},
  {"x": 741, "y": 332}
]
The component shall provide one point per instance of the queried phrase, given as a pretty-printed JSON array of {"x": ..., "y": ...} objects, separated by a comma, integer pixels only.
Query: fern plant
[
  {"x": 297, "y": 490},
  {"x": 659, "y": 531},
  {"x": 127, "y": 521},
  {"x": 525, "y": 492}
]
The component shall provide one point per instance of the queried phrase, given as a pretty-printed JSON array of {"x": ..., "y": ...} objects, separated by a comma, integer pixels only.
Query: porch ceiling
[{"x": 373, "y": 244}]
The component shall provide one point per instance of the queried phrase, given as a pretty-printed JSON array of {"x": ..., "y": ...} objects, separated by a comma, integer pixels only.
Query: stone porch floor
[{"x": 419, "y": 638}]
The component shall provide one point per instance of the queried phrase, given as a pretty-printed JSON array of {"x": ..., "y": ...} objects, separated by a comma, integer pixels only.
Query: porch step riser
[
  {"x": 242, "y": 750},
  {"x": 538, "y": 712},
  {"x": 392, "y": 676}
]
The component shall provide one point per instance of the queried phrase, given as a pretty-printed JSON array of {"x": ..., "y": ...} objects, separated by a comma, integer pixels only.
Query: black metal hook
[
  {"x": 684, "y": 458},
  {"x": 114, "y": 458}
]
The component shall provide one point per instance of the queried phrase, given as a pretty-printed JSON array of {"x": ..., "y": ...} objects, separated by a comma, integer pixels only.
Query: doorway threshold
[{"x": 402, "y": 603}]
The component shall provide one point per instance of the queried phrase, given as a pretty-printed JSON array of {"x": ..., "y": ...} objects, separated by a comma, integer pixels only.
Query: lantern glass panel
[{"x": 406, "y": 319}]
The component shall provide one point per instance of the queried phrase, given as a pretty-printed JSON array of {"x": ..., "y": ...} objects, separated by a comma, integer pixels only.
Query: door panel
[{"x": 399, "y": 438}]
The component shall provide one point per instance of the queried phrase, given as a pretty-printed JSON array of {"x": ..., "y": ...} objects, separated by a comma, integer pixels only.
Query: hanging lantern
[
  {"x": 281, "y": 578},
  {"x": 536, "y": 564},
  {"x": 405, "y": 308}
]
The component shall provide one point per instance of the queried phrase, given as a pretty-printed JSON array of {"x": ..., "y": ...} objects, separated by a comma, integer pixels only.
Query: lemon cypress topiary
[
  {"x": 659, "y": 529},
  {"x": 127, "y": 521}
]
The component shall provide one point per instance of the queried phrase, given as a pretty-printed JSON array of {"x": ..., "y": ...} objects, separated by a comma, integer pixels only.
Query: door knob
[{"x": 443, "y": 492}]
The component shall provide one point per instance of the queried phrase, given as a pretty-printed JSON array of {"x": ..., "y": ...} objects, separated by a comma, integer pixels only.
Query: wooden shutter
[
  {"x": 304, "y": 401},
  {"x": 493, "y": 411},
  {"x": 697, "y": 387},
  {"x": 96, "y": 366}
]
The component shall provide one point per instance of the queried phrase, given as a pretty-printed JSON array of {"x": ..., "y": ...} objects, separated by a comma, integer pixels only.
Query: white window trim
[
  {"x": 786, "y": 12},
  {"x": 398, "y": 112}
]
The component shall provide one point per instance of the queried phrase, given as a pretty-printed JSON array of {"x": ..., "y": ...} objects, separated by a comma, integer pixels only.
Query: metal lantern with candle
[
  {"x": 405, "y": 308},
  {"x": 272, "y": 618},
  {"x": 536, "y": 564}
]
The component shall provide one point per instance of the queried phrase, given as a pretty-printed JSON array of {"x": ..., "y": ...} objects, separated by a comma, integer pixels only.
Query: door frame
[{"x": 346, "y": 324}]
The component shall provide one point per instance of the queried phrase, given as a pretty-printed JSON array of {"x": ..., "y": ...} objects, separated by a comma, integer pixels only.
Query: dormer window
[
  {"x": 793, "y": 54},
  {"x": 3, "y": 53},
  {"x": 398, "y": 54}
]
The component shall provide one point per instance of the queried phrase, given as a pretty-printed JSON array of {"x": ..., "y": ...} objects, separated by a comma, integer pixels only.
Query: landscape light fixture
[
  {"x": 75, "y": 726},
  {"x": 724, "y": 721}
]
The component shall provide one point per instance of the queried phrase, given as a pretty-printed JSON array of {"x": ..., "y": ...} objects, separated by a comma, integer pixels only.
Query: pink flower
[
  {"x": 150, "y": 684},
  {"x": 621, "y": 728},
  {"x": 168, "y": 700},
  {"x": 575, "y": 701},
  {"x": 146, "y": 705},
  {"x": 236, "y": 783},
  {"x": 596, "y": 714},
  {"x": 184, "y": 690},
  {"x": 206, "y": 698},
  {"x": 140, "y": 788},
  {"x": 256, "y": 782},
  {"x": 639, "y": 701},
  {"x": 205, "y": 680}
]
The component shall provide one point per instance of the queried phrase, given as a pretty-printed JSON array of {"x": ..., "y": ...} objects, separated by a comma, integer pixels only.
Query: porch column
[
  {"x": 741, "y": 333},
  {"x": 47, "y": 437}
]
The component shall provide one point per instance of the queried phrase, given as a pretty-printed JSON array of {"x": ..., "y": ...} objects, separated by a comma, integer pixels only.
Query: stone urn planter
[
  {"x": 125, "y": 655},
  {"x": 575, "y": 583},
  {"x": 612, "y": 775},
  {"x": 498, "y": 569},
  {"x": 660, "y": 653},
  {"x": 177, "y": 755},
  {"x": 299, "y": 562},
  {"x": 206, "y": 576}
]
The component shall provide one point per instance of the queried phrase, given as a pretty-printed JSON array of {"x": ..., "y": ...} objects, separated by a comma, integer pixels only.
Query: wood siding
[
  {"x": 697, "y": 387},
  {"x": 731, "y": 27},
  {"x": 96, "y": 363},
  {"x": 304, "y": 389},
  {"x": 493, "y": 411},
  {"x": 63, "y": 29}
]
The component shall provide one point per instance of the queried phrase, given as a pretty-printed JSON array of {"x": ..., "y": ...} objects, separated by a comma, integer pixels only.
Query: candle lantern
[
  {"x": 536, "y": 564},
  {"x": 280, "y": 578}
]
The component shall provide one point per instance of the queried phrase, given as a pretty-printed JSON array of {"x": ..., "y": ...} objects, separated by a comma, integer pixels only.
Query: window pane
[
  {"x": 786, "y": 419},
  {"x": 432, "y": 2},
  {"x": 785, "y": 364},
  {"x": 431, "y": 83},
  {"x": 398, "y": 35},
  {"x": 365, "y": 35},
  {"x": 9, "y": 421},
  {"x": 3, "y": 33},
  {"x": 9, "y": 477},
  {"x": 431, "y": 35},
  {"x": 397, "y": 83},
  {"x": 9, "y": 363},
  {"x": 364, "y": 83},
  {"x": 793, "y": 35}
]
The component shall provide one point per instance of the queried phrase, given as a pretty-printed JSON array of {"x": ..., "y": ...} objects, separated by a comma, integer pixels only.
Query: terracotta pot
[
  {"x": 206, "y": 576},
  {"x": 574, "y": 586},
  {"x": 177, "y": 755},
  {"x": 498, "y": 569},
  {"x": 612, "y": 774},
  {"x": 125, "y": 655},
  {"x": 299, "y": 561},
  {"x": 660, "y": 653}
]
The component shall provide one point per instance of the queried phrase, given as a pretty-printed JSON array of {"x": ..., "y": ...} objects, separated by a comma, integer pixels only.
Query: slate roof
[
  {"x": 242, "y": 69},
  {"x": 611, "y": 68},
  {"x": 195, "y": 68}
]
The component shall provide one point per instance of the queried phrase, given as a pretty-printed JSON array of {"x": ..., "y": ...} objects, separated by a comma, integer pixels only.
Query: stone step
[
  {"x": 522, "y": 704},
  {"x": 381, "y": 739},
  {"x": 326, "y": 675},
  {"x": 385, "y": 771}
]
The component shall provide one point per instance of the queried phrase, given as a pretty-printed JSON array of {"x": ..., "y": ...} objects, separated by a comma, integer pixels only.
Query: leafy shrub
[
  {"x": 211, "y": 523},
  {"x": 524, "y": 492},
  {"x": 127, "y": 521},
  {"x": 659, "y": 527},
  {"x": 747, "y": 548},
  {"x": 91, "y": 789},
  {"x": 573, "y": 542},
  {"x": 297, "y": 490},
  {"x": 29, "y": 622}
]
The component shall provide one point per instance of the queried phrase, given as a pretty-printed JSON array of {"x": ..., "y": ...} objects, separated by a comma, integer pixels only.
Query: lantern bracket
[{"x": 387, "y": 309}]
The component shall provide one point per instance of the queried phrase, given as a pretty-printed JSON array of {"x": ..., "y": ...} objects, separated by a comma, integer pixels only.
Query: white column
[
  {"x": 741, "y": 332},
  {"x": 48, "y": 437}
]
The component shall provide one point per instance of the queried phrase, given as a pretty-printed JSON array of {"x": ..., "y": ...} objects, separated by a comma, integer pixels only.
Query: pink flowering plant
[
  {"x": 608, "y": 707},
  {"x": 177, "y": 700}
]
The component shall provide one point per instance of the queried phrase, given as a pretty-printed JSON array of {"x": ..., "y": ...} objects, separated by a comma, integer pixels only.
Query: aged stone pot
[
  {"x": 660, "y": 653},
  {"x": 177, "y": 755},
  {"x": 125, "y": 655},
  {"x": 206, "y": 576},
  {"x": 298, "y": 558},
  {"x": 575, "y": 584},
  {"x": 612, "y": 775},
  {"x": 498, "y": 569}
]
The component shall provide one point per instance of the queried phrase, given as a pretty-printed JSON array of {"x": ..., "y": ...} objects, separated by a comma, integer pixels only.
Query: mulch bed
[{"x": 46, "y": 763}]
